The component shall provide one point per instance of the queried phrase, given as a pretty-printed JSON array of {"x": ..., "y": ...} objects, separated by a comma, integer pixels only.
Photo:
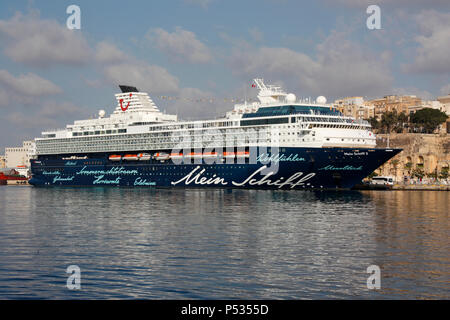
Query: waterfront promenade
[{"x": 431, "y": 187}]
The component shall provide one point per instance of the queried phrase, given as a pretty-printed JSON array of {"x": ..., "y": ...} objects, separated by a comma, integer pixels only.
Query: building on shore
[
  {"x": 19, "y": 156},
  {"x": 405, "y": 104},
  {"x": 355, "y": 107},
  {"x": 445, "y": 101},
  {"x": 359, "y": 108},
  {"x": 432, "y": 104}
]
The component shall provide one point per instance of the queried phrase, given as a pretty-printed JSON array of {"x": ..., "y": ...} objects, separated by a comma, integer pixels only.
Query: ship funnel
[{"x": 126, "y": 89}]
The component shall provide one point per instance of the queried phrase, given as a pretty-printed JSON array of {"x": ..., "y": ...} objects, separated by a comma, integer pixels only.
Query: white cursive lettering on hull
[
  {"x": 100, "y": 180},
  {"x": 59, "y": 178},
  {"x": 278, "y": 183},
  {"x": 143, "y": 182},
  {"x": 113, "y": 170},
  {"x": 195, "y": 177},
  {"x": 198, "y": 179}
]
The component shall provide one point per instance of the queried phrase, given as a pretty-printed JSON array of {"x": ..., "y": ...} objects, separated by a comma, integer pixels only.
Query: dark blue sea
[{"x": 132, "y": 243}]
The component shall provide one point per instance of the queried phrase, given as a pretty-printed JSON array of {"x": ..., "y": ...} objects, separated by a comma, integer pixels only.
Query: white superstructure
[{"x": 278, "y": 118}]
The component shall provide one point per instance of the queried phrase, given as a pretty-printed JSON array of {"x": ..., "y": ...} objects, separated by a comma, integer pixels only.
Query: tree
[
  {"x": 374, "y": 123},
  {"x": 408, "y": 166},
  {"x": 402, "y": 122},
  {"x": 432, "y": 174},
  {"x": 418, "y": 173},
  {"x": 428, "y": 119},
  {"x": 444, "y": 173},
  {"x": 395, "y": 163},
  {"x": 389, "y": 120}
]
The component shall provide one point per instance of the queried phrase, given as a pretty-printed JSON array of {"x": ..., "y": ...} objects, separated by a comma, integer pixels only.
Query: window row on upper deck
[
  {"x": 292, "y": 109},
  {"x": 281, "y": 120}
]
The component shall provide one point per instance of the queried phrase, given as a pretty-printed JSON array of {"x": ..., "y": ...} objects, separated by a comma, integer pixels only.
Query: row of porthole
[
  {"x": 171, "y": 167},
  {"x": 175, "y": 167},
  {"x": 182, "y": 174}
]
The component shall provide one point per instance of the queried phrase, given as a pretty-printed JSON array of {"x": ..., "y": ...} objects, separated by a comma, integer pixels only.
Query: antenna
[
  {"x": 260, "y": 84},
  {"x": 245, "y": 94}
]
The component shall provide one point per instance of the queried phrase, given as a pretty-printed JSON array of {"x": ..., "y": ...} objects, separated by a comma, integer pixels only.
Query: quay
[
  {"x": 434, "y": 187},
  {"x": 412, "y": 187}
]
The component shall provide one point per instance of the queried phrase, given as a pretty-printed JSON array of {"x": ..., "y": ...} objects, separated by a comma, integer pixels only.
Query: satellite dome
[
  {"x": 290, "y": 98},
  {"x": 321, "y": 100},
  {"x": 101, "y": 113}
]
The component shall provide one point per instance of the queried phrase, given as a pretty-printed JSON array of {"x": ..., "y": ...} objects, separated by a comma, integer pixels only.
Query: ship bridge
[{"x": 274, "y": 101}]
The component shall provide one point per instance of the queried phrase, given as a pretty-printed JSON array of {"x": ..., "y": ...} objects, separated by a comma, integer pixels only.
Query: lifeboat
[
  {"x": 144, "y": 156},
  {"x": 176, "y": 155},
  {"x": 161, "y": 156},
  {"x": 210, "y": 155},
  {"x": 115, "y": 157},
  {"x": 130, "y": 157},
  {"x": 242, "y": 154},
  {"x": 229, "y": 154}
]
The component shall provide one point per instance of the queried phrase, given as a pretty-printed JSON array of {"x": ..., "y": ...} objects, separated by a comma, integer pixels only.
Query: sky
[{"x": 210, "y": 50}]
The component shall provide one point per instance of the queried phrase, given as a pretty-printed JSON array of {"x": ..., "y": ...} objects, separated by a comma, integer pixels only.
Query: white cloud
[
  {"x": 18, "y": 93},
  {"x": 432, "y": 55},
  {"x": 41, "y": 43},
  {"x": 339, "y": 68},
  {"x": 46, "y": 114},
  {"x": 108, "y": 53},
  {"x": 24, "y": 121},
  {"x": 37, "y": 42},
  {"x": 180, "y": 45},
  {"x": 28, "y": 84},
  {"x": 151, "y": 78},
  {"x": 24, "y": 89},
  {"x": 61, "y": 109},
  {"x": 272, "y": 61},
  {"x": 4, "y": 97},
  {"x": 119, "y": 68}
]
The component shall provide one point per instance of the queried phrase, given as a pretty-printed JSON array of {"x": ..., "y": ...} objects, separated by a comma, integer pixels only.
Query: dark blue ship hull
[{"x": 293, "y": 168}]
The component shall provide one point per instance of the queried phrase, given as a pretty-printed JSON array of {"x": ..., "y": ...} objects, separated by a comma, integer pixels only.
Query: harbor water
[{"x": 139, "y": 243}]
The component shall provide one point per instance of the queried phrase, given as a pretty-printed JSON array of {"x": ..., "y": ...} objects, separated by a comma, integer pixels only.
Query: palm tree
[
  {"x": 389, "y": 120},
  {"x": 408, "y": 166},
  {"x": 402, "y": 122},
  {"x": 395, "y": 163},
  {"x": 418, "y": 173},
  {"x": 444, "y": 173}
]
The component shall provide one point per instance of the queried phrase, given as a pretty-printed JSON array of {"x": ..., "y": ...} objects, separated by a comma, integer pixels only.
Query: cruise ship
[{"x": 276, "y": 142}]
